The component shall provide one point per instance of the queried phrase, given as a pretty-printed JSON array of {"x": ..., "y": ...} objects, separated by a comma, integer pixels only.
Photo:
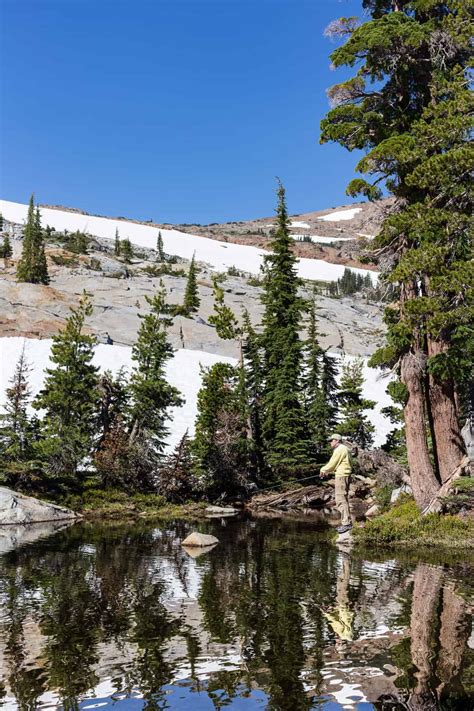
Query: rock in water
[
  {"x": 17, "y": 509},
  {"x": 199, "y": 540}
]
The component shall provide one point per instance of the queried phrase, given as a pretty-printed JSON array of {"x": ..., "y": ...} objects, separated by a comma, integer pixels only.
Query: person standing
[{"x": 341, "y": 464}]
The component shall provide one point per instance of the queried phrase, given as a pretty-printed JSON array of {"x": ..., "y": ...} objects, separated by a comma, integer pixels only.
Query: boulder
[
  {"x": 396, "y": 493},
  {"x": 373, "y": 511},
  {"x": 199, "y": 540},
  {"x": 13, "y": 537},
  {"x": 196, "y": 551},
  {"x": 19, "y": 509}
]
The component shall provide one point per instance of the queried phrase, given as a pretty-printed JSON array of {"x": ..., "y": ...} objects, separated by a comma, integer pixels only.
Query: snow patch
[
  {"x": 323, "y": 240},
  {"x": 183, "y": 371},
  {"x": 301, "y": 225},
  {"x": 219, "y": 256},
  {"x": 341, "y": 215}
]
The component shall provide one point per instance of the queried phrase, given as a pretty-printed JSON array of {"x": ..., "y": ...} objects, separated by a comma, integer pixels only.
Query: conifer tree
[
  {"x": 112, "y": 402},
  {"x": 317, "y": 411},
  {"x": 220, "y": 442},
  {"x": 283, "y": 425},
  {"x": 7, "y": 250},
  {"x": 32, "y": 265},
  {"x": 253, "y": 374},
  {"x": 223, "y": 318},
  {"x": 191, "y": 295},
  {"x": 18, "y": 431},
  {"x": 160, "y": 248},
  {"x": 126, "y": 250},
  {"x": 176, "y": 479},
  {"x": 1, "y": 222},
  {"x": 151, "y": 394},
  {"x": 69, "y": 396},
  {"x": 414, "y": 126},
  {"x": 354, "y": 424},
  {"x": 117, "y": 243}
]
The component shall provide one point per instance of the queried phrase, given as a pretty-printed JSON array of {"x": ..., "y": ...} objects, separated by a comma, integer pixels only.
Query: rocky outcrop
[{"x": 16, "y": 509}]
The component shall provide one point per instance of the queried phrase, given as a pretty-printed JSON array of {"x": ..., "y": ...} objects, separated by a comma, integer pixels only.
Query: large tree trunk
[
  {"x": 449, "y": 446},
  {"x": 423, "y": 480}
]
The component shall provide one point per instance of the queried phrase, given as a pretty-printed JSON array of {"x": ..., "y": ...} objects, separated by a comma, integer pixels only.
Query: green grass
[{"x": 403, "y": 525}]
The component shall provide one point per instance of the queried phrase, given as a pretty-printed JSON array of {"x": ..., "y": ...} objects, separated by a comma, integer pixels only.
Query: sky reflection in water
[{"x": 120, "y": 616}]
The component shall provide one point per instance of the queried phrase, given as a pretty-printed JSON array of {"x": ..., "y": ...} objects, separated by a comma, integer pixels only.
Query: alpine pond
[{"x": 274, "y": 617}]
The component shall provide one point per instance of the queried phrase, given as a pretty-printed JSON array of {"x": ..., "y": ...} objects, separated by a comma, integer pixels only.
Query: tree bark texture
[
  {"x": 423, "y": 480},
  {"x": 449, "y": 445}
]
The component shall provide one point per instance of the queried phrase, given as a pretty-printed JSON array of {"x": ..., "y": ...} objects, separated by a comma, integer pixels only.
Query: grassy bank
[
  {"x": 116, "y": 504},
  {"x": 403, "y": 526}
]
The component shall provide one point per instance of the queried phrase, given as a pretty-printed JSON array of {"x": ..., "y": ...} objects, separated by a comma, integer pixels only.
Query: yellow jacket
[{"x": 340, "y": 462}]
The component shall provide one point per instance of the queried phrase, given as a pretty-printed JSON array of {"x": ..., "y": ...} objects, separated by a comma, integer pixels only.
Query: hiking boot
[{"x": 344, "y": 529}]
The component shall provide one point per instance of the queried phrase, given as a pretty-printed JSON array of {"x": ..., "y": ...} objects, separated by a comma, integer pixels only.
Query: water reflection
[{"x": 273, "y": 617}]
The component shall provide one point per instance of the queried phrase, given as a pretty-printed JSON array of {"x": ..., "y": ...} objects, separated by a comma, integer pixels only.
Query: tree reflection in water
[{"x": 274, "y": 617}]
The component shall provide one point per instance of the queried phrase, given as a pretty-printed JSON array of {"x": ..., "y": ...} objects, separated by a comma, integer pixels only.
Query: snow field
[
  {"x": 219, "y": 255},
  {"x": 341, "y": 215},
  {"x": 183, "y": 371},
  {"x": 324, "y": 240}
]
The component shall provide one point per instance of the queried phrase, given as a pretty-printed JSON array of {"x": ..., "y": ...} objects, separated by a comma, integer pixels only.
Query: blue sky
[{"x": 172, "y": 110}]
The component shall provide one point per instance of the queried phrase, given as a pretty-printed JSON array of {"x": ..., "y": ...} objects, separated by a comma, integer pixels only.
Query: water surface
[{"x": 121, "y": 617}]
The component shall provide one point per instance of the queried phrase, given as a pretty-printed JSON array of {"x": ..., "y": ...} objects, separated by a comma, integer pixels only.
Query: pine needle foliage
[
  {"x": 287, "y": 446},
  {"x": 151, "y": 394},
  {"x": 191, "y": 295},
  {"x": 69, "y": 396},
  {"x": 32, "y": 266},
  {"x": 354, "y": 425}
]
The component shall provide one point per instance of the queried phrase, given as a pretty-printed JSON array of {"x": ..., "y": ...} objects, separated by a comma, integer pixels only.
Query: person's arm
[{"x": 331, "y": 466}]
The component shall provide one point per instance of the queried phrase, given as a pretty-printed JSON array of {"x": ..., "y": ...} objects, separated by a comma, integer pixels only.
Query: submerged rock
[
  {"x": 17, "y": 509},
  {"x": 199, "y": 540}
]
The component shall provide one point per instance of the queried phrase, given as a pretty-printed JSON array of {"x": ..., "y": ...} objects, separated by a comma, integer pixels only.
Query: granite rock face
[{"x": 18, "y": 509}]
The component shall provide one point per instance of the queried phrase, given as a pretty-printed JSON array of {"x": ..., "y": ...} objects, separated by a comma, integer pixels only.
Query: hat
[{"x": 335, "y": 435}]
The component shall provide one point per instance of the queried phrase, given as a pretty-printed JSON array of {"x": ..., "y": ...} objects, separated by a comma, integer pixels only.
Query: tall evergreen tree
[
  {"x": 283, "y": 425},
  {"x": 151, "y": 394},
  {"x": 191, "y": 295},
  {"x": 316, "y": 412},
  {"x": 354, "y": 424},
  {"x": 253, "y": 374},
  {"x": 18, "y": 430},
  {"x": 414, "y": 125},
  {"x": 6, "y": 249},
  {"x": 220, "y": 441},
  {"x": 112, "y": 403},
  {"x": 1, "y": 222},
  {"x": 126, "y": 250},
  {"x": 223, "y": 318},
  {"x": 160, "y": 248},
  {"x": 32, "y": 266},
  {"x": 69, "y": 396},
  {"x": 117, "y": 243}
]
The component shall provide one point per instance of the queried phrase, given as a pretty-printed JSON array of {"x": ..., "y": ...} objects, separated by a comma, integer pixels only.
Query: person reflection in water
[{"x": 340, "y": 616}]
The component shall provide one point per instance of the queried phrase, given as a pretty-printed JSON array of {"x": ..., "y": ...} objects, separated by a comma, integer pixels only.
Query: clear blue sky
[{"x": 175, "y": 110}]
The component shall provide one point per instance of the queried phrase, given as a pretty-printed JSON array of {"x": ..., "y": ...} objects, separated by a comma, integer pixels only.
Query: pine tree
[
  {"x": 354, "y": 424},
  {"x": 126, "y": 250},
  {"x": 18, "y": 431},
  {"x": 314, "y": 400},
  {"x": 160, "y": 248},
  {"x": 415, "y": 127},
  {"x": 191, "y": 295},
  {"x": 223, "y": 318},
  {"x": 117, "y": 250},
  {"x": 112, "y": 403},
  {"x": 220, "y": 443},
  {"x": 6, "y": 250},
  {"x": 32, "y": 265},
  {"x": 69, "y": 396},
  {"x": 253, "y": 376},
  {"x": 176, "y": 480},
  {"x": 1, "y": 222},
  {"x": 151, "y": 394},
  {"x": 286, "y": 439}
]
